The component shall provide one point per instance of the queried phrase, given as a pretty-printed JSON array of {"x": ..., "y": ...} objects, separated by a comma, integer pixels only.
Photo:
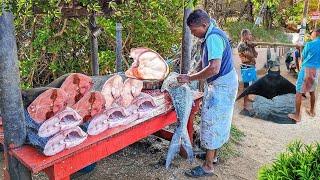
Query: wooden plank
[
  {"x": 94, "y": 46},
  {"x": 119, "y": 47},
  {"x": 274, "y": 44}
]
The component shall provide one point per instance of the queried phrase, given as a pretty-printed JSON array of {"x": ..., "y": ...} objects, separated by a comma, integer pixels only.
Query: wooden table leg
[{"x": 53, "y": 173}]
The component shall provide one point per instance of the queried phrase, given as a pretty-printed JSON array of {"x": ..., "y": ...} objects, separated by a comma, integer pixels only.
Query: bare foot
[
  {"x": 311, "y": 113},
  {"x": 294, "y": 117}
]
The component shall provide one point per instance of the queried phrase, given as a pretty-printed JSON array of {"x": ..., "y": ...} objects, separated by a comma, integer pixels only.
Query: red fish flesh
[
  {"x": 64, "y": 140},
  {"x": 66, "y": 119},
  {"x": 91, "y": 104},
  {"x": 76, "y": 86},
  {"x": 132, "y": 88},
  {"x": 147, "y": 65},
  {"x": 47, "y": 104},
  {"x": 112, "y": 89}
]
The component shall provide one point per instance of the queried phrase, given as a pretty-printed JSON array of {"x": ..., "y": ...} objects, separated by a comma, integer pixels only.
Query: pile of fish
[
  {"x": 61, "y": 118},
  {"x": 63, "y": 114}
]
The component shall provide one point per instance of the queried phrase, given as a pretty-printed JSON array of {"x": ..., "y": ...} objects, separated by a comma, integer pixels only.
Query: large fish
[
  {"x": 182, "y": 99},
  {"x": 269, "y": 86}
]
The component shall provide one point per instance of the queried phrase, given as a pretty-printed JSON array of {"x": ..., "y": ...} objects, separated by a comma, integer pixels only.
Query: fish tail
[
  {"x": 186, "y": 144},
  {"x": 174, "y": 148}
]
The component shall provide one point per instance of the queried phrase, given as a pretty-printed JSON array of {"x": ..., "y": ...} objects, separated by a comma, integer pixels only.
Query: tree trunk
[
  {"x": 250, "y": 11},
  {"x": 10, "y": 98}
]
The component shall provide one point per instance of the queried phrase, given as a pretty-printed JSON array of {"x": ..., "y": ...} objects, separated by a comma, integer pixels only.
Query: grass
[
  {"x": 229, "y": 149},
  {"x": 300, "y": 161},
  {"x": 259, "y": 33}
]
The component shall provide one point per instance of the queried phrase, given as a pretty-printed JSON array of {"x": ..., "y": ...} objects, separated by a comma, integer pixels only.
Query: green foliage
[
  {"x": 154, "y": 24},
  {"x": 298, "y": 162},
  {"x": 49, "y": 46},
  {"x": 259, "y": 33},
  {"x": 228, "y": 150}
]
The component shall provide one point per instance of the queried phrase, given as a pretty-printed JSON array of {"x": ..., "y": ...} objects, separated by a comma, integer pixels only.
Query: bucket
[{"x": 248, "y": 74}]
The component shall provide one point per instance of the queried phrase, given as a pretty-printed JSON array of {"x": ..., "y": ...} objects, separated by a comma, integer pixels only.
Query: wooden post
[
  {"x": 303, "y": 23},
  {"x": 119, "y": 47},
  {"x": 94, "y": 46},
  {"x": 316, "y": 21},
  {"x": 10, "y": 98},
  {"x": 186, "y": 43}
]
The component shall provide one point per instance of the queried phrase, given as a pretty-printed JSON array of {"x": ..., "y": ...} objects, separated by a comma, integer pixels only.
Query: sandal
[
  {"x": 198, "y": 172},
  {"x": 246, "y": 112},
  {"x": 202, "y": 156}
]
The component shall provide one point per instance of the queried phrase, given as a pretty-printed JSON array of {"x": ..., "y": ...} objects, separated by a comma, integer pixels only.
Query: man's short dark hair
[
  {"x": 198, "y": 17},
  {"x": 245, "y": 32}
]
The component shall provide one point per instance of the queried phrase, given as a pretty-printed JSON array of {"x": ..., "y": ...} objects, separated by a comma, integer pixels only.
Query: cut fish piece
[
  {"x": 98, "y": 124},
  {"x": 112, "y": 117},
  {"x": 47, "y": 104},
  {"x": 147, "y": 65},
  {"x": 132, "y": 88},
  {"x": 64, "y": 140},
  {"x": 101, "y": 122},
  {"x": 124, "y": 120},
  {"x": 144, "y": 104},
  {"x": 91, "y": 104},
  {"x": 66, "y": 119},
  {"x": 76, "y": 86},
  {"x": 112, "y": 89}
]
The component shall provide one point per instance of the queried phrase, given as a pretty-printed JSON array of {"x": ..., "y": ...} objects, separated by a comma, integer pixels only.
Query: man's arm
[
  {"x": 215, "y": 47},
  {"x": 250, "y": 55},
  {"x": 212, "y": 69}
]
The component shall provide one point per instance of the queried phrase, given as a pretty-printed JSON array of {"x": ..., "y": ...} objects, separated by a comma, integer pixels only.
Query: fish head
[{"x": 170, "y": 82}]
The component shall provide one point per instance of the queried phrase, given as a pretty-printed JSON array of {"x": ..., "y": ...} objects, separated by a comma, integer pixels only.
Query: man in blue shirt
[
  {"x": 308, "y": 76},
  {"x": 220, "y": 90}
]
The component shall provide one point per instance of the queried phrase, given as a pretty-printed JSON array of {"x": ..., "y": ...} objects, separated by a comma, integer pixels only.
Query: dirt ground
[{"x": 262, "y": 142}]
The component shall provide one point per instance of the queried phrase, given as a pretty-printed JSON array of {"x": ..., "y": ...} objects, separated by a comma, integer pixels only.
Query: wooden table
[{"x": 95, "y": 148}]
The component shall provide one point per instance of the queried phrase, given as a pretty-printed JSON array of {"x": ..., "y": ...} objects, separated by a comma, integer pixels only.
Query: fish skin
[{"x": 182, "y": 99}]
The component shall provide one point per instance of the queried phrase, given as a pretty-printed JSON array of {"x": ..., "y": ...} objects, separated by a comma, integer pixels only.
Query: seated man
[{"x": 308, "y": 75}]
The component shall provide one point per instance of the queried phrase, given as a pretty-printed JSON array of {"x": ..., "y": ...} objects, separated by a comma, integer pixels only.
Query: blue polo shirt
[
  {"x": 216, "y": 46},
  {"x": 311, "y": 54}
]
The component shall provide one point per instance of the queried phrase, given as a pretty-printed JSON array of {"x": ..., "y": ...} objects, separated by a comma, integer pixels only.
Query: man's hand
[{"x": 183, "y": 78}]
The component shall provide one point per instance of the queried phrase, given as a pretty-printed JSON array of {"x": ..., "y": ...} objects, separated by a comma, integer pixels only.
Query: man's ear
[{"x": 205, "y": 25}]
